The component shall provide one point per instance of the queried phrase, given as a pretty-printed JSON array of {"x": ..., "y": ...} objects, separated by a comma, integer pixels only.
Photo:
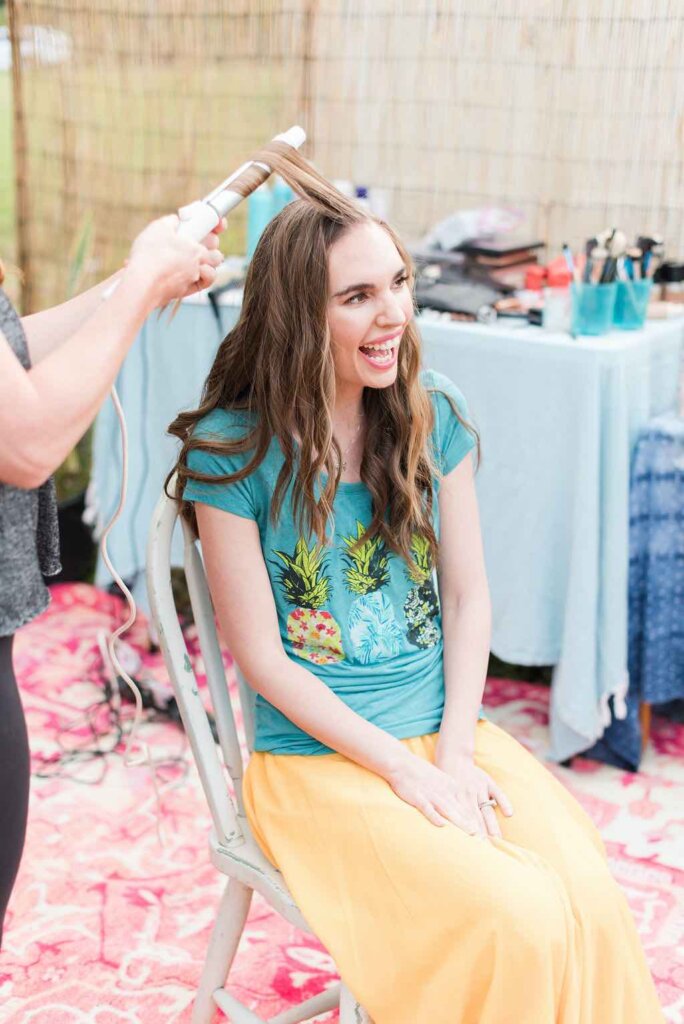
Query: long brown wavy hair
[{"x": 277, "y": 363}]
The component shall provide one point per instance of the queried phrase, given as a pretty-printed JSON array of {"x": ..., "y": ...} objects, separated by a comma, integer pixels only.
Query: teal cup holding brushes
[
  {"x": 593, "y": 306},
  {"x": 631, "y": 304}
]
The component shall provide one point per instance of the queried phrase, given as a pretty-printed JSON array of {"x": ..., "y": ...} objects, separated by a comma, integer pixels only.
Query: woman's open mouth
[{"x": 383, "y": 354}]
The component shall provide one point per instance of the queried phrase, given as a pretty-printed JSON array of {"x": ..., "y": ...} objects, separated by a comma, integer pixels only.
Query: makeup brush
[
  {"x": 599, "y": 255},
  {"x": 651, "y": 246},
  {"x": 617, "y": 246},
  {"x": 570, "y": 263},
  {"x": 634, "y": 254},
  {"x": 589, "y": 246}
]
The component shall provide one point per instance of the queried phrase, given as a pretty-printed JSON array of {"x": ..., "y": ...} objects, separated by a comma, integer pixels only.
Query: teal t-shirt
[{"x": 360, "y": 621}]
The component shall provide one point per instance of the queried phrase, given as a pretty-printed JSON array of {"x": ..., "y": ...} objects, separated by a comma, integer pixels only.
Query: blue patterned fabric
[{"x": 656, "y": 585}]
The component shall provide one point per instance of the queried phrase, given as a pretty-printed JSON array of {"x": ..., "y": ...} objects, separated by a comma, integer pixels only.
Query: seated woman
[{"x": 450, "y": 875}]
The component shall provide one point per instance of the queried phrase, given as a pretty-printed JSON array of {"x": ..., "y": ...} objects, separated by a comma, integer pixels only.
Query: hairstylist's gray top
[{"x": 29, "y": 540}]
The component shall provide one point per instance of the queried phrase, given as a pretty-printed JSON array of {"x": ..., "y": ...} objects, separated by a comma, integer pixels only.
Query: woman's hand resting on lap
[{"x": 451, "y": 796}]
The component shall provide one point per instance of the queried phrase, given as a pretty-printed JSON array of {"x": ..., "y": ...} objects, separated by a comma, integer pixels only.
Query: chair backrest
[{"x": 229, "y": 830}]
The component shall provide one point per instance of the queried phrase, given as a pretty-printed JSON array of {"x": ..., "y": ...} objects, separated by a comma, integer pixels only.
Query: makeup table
[{"x": 558, "y": 420}]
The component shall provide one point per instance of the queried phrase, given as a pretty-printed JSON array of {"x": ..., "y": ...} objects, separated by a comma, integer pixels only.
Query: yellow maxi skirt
[{"x": 428, "y": 925}]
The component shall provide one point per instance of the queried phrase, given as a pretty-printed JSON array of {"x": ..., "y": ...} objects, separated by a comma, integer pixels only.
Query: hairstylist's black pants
[{"x": 14, "y": 776}]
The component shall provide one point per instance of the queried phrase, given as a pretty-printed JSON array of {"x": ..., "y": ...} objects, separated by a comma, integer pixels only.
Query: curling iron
[
  {"x": 199, "y": 218},
  {"x": 196, "y": 221}
]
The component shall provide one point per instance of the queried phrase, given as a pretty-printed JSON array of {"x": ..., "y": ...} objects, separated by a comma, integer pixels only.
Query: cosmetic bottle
[{"x": 259, "y": 213}]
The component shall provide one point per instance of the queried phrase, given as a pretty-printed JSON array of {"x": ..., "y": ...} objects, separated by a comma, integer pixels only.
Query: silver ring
[{"x": 487, "y": 803}]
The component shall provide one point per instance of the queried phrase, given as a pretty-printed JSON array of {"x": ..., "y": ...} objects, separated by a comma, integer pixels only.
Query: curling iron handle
[{"x": 197, "y": 220}]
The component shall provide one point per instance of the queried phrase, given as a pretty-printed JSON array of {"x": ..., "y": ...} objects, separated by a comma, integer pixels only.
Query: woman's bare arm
[
  {"x": 44, "y": 412},
  {"x": 466, "y": 612},
  {"x": 47, "y": 330},
  {"x": 243, "y": 599}
]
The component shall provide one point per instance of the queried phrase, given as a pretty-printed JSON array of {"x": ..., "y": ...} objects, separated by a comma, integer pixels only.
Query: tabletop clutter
[{"x": 610, "y": 285}]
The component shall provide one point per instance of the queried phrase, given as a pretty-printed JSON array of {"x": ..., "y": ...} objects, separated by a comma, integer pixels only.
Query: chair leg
[
  {"x": 225, "y": 938},
  {"x": 350, "y": 1011}
]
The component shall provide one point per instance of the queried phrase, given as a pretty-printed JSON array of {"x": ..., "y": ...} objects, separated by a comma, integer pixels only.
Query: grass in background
[{"x": 7, "y": 251}]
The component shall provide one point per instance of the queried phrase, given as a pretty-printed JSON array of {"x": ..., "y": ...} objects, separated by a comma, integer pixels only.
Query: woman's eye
[{"x": 352, "y": 300}]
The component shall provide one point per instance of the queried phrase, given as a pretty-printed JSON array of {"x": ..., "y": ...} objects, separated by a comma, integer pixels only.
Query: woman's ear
[{"x": 2, "y": 271}]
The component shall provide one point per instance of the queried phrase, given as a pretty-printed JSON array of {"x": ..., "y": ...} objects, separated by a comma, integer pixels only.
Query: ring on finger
[{"x": 487, "y": 803}]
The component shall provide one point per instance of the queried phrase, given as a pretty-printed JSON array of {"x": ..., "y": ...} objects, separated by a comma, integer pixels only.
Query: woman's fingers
[
  {"x": 455, "y": 816},
  {"x": 501, "y": 798},
  {"x": 491, "y": 824},
  {"x": 211, "y": 258},
  {"x": 207, "y": 269},
  {"x": 207, "y": 277},
  {"x": 488, "y": 812},
  {"x": 433, "y": 815},
  {"x": 212, "y": 239}
]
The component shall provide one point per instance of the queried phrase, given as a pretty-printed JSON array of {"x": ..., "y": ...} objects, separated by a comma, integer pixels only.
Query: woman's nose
[{"x": 392, "y": 313}]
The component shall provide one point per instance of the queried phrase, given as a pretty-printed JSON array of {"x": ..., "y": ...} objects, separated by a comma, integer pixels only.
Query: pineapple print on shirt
[
  {"x": 421, "y": 607},
  {"x": 314, "y": 634},
  {"x": 372, "y": 626}
]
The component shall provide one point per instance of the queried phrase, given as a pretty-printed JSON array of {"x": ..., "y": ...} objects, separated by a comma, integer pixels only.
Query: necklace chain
[{"x": 345, "y": 451}]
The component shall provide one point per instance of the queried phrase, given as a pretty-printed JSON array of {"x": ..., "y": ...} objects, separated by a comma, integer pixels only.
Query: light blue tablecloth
[{"x": 558, "y": 420}]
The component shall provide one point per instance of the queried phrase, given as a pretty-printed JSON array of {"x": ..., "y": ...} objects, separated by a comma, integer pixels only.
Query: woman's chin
[{"x": 380, "y": 380}]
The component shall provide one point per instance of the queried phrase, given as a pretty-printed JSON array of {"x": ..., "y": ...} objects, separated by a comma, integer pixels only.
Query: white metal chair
[{"x": 233, "y": 849}]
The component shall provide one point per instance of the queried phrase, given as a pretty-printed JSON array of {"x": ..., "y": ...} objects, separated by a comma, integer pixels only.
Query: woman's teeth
[{"x": 378, "y": 353}]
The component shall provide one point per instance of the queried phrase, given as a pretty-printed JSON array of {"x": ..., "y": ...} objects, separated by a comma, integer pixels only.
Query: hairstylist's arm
[
  {"x": 44, "y": 412},
  {"x": 50, "y": 328},
  {"x": 243, "y": 599}
]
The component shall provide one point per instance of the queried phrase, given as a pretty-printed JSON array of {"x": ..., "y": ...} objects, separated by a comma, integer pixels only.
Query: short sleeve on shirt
[
  {"x": 451, "y": 439},
  {"x": 234, "y": 497}
]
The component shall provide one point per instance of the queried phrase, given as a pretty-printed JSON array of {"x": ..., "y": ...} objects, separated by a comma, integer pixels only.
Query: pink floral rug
[{"x": 107, "y": 926}]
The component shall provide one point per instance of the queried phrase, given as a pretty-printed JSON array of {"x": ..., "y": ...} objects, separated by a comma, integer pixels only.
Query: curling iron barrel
[{"x": 199, "y": 218}]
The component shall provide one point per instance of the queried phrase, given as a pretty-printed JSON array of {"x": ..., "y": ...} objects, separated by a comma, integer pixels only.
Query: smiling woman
[
  {"x": 325, "y": 359},
  {"x": 332, "y": 486}
]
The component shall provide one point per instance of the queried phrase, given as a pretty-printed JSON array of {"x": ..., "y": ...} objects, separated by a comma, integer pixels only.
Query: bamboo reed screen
[{"x": 572, "y": 113}]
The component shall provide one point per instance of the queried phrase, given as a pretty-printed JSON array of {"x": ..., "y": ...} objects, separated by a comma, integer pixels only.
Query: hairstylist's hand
[
  {"x": 173, "y": 265},
  {"x": 443, "y": 798}
]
